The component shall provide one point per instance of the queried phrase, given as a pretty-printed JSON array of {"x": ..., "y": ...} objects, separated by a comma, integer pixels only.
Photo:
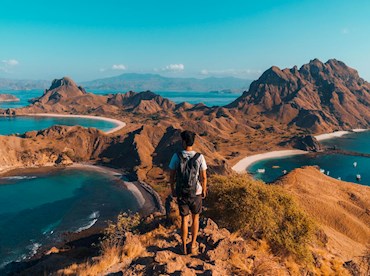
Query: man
[{"x": 189, "y": 184}]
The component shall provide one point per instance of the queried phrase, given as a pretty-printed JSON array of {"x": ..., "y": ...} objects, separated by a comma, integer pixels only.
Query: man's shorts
[{"x": 187, "y": 205}]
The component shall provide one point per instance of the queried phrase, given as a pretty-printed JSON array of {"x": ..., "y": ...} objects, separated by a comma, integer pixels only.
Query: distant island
[
  {"x": 155, "y": 82},
  {"x": 142, "y": 82},
  {"x": 8, "y": 98}
]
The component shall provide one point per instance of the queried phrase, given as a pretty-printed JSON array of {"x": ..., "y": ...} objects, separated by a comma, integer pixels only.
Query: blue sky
[{"x": 95, "y": 39}]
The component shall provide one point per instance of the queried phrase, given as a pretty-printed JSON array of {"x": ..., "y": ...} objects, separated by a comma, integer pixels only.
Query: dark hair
[{"x": 188, "y": 137}]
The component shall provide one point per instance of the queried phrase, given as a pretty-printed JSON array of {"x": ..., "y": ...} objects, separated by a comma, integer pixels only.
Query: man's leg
[
  {"x": 194, "y": 230},
  {"x": 184, "y": 232}
]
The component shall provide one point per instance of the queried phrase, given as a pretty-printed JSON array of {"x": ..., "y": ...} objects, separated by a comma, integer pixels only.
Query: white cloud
[
  {"x": 102, "y": 70},
  {"x": 231, "y": 72},
  {"x": 174, "y": 67},
  {"x": 119, "y": 67},
  {"x": 345, "y": 31},
  {"x": 10, "y": 62},
  {"x": 6, "y": 65}
]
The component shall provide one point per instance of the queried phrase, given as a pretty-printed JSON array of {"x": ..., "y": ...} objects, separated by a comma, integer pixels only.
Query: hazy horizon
[{"x": 94, "y": 40}]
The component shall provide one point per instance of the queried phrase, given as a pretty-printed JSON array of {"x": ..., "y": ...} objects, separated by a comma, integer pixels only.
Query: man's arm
[
  {"x": 203, "y": 175},
  {"x": 173, "y": 182}
]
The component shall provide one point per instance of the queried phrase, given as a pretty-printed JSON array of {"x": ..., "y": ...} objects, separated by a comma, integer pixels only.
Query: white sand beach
[
  {"x": 359, "y": 129},
  {"x": 334, "y": 134},
  {"x": 243, "y": 164},
  {"x": 119, "y": 123}
]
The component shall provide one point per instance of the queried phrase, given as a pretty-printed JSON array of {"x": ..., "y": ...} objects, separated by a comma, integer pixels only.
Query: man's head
[{"x": 188, "y": 138}]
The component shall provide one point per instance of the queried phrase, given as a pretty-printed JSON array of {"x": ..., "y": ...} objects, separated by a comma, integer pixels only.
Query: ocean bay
[
  {"x": 36, "y": 209},
  {"x": 338, "y": 165}
]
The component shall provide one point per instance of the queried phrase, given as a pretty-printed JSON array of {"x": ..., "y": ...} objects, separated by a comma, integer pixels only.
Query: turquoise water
[
  {"x": 36, "y": 210},
  {"x": 338, "y": 165},
  {"x": 356, "y": 141},
  {"x": 22, "y": 95},
  {"x": 22, "y": 124},
  {"x": 208, "y": 98}
]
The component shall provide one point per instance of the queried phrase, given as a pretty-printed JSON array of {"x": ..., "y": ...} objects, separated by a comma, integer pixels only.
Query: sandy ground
[
  {"x": 119, "y": 123},
  {"x": 243, "y": 164},
  {"x": 335, "y": 134}
]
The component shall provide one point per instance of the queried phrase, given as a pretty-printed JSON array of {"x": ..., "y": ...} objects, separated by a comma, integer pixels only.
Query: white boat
[
  {"x": 339, "y": 178},
  {"x": 327, "y": 173},
  {"x": 285, "y": 171},
  {"x": 322, "y": 170},
  {"x": 358, "y": 176},
  {"x": 261, "y": 170},
  {"x": 355, "y": 164}
]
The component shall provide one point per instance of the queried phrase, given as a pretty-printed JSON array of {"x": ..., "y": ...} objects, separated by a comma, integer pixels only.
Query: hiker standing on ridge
[{"x": 189, "y": 184}]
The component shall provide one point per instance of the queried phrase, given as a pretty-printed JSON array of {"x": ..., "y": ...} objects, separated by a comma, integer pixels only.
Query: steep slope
[
  {"x": 319, "y": 96},
  {"x": 341, "y": 208}
]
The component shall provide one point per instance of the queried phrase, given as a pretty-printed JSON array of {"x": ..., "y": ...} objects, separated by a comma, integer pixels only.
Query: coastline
[
  {"x": 119, "y": 124},
  {"x": 246, "y": 162},
  {"x": 140, "y": 198},
  {"x": 146, "y": 199},
  {"x": 337, "y": 134}
]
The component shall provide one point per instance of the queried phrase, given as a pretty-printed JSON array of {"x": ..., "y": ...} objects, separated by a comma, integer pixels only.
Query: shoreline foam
[
  {"x": 246, "y": 162},
  {"x": 119, "y": 124}
]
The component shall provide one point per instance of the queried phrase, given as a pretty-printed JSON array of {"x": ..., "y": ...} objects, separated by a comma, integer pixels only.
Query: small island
[{"x": 8, "y": 98}]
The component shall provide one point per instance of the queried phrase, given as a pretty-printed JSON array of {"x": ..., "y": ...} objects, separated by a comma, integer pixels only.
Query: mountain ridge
[
  {"x": 316, "y": 96},
  {"x": 156, "y": 82}
]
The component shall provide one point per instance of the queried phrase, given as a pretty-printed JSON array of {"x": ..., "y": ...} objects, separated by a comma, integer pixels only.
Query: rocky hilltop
[
  {"x": 8, "y": 98},
  {"x": 318, "y": 96}
]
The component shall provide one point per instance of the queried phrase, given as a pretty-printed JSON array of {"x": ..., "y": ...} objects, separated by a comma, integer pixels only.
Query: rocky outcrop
[
  {"x": 318, "y": 96},
  {"x": 307, "y": 142},
  {"x": 8, "y": 98},
  {"x": 144, "y": 102}
]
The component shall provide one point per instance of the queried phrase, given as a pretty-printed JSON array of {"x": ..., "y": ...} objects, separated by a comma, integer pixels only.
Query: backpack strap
[
  {"x": 180, "y": 156},
  {"x": 195, "y": 157}
]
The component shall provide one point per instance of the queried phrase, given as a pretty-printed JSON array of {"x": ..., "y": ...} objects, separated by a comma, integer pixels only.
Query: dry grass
[
  {"x": 116, "y": 248},
  {"x": 110, "y": 257},
  {"x": 133, "y": 250},
  {"x": 340, "y": 207}
]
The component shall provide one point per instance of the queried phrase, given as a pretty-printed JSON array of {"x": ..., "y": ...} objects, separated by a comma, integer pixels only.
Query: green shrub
[{"x": 261, "y": 211}]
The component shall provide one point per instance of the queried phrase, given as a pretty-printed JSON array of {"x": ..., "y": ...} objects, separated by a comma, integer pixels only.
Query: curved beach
[
  {"x": 243, "y": 164},
  {"x": 336, "y": 134},
  {"x": 119, "y": 123}
]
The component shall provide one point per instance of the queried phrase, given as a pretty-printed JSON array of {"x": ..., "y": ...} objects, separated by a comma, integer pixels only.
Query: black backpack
[{"x": 187, "y": 176}]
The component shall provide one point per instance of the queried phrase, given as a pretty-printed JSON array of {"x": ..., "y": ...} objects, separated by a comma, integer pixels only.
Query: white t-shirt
[{"x": 175, "y": 161}]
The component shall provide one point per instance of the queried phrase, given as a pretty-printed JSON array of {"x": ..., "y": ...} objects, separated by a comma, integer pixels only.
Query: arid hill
[
  {"x": 341, "y": 208},
  {"x": 8, "y": 98},
  {"x": 318, "y": 96}
]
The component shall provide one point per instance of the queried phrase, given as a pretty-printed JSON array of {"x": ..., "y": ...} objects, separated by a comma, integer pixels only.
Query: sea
[
  {"x": 37, "y": 209},
  {"x": 345, "y": 167}
]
